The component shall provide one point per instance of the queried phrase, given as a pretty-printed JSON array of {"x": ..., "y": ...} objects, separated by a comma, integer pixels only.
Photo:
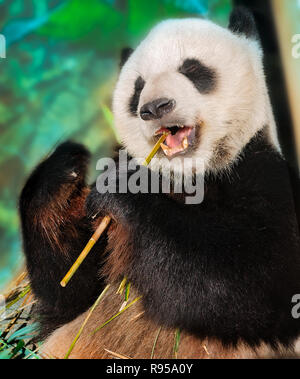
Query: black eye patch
[
  {"x": 204, "y": 78},
  {"x": 134, "y": 100}
]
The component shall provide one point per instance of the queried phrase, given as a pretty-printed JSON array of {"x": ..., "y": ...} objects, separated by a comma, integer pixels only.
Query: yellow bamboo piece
[
  {"x": 119, "y": 356},
  {"x": 102, "y": 227},
  {"x": 155, "y": 149},
  {"x": 104, "y": 224},
  {"x": 122, "y": 286}
]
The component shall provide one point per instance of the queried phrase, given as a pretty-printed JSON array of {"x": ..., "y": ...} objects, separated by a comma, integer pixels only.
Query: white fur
[{"x": 237, "y": 109}]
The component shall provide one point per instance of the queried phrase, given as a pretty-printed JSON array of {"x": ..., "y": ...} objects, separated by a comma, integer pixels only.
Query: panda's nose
[{"x": 157, "y": 109}]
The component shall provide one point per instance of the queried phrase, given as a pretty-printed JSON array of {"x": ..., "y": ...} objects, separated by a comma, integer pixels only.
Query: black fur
[
  {"x": 242, "y": 22},
  {"x": 53, "y": 237},
  {"x": 134, "y": 100},
  {"x": 204, "y": 78},
  {"x": 125, "y": 55},
  {"x": 227, "y": 268}
]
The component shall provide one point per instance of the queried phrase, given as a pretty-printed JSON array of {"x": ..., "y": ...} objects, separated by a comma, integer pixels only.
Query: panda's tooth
[
  {"x": 165, "y": 148},
  {"x": 185, "y": 143}
]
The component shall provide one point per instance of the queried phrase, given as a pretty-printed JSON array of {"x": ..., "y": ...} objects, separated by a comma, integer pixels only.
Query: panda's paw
[
  {"x": 68, "y": 163},
  {"x": 57, "y": 178},
  {"x": 120, "y": 206},
  {"x": 101, "y": 204}
]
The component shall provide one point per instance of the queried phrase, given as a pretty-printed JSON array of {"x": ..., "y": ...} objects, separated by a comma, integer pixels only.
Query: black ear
[
  {"x": 242, "y": 22},
  {"x": 125, "y": 54}
]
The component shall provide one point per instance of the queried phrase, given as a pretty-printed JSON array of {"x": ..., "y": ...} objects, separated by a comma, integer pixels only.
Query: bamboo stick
[
  {"x": 104, "y": 224},
  {"x": 100, "y": 230}
]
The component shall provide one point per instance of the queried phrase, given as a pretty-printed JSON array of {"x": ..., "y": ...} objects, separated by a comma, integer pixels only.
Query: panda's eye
[
  {"x": 135, "y": 98},
  {"x": 203, "y": 77}
]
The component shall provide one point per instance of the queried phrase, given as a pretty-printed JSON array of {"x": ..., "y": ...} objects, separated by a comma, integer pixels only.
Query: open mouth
[{"x": 179, "y": 139}]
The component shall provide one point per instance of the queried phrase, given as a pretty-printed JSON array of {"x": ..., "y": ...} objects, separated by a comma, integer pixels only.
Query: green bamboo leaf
[
  {"x": 122, "y": 286},
  {"x": 31, "y": 354},
  {"x": 155, "y": 343},
  {"x": 19, "y": 297},
  {"x": 18, "y": 348},
  {"x": 116, "y": 315},
  {"x": 176, "y": 342},
  {"x": 86, "y": 321},
  {"x": 127, "y": 291},
  {"x": 5, "y": 354},
  {"x": 26, "y": 332}
]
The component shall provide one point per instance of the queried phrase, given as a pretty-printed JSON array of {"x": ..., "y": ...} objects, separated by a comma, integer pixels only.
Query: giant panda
[{"x": 217, "y": 277}]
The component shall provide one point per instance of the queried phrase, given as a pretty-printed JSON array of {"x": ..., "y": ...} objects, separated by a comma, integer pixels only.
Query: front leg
[{"x": 55, "y": 229}]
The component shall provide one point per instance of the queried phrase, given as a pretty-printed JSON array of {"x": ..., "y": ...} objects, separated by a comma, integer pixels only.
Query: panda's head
[{"x": 203, "y": 83}]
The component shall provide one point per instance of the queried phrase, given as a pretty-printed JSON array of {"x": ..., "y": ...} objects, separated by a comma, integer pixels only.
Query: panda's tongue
[{"x": 177, "y": 139}]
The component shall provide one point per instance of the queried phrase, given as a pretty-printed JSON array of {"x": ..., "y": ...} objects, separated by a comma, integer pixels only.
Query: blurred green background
[{"x": 57, "y": 80}]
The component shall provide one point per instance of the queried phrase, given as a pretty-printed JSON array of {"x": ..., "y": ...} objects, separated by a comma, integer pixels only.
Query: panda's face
[{"x": 202, "y": 83}]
